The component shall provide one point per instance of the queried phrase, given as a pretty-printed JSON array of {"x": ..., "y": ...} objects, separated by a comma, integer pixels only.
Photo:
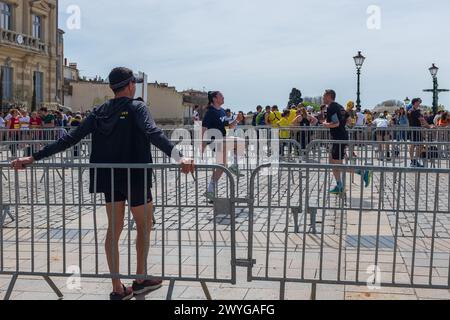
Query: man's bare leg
[
  {"x": 143, "y": 216},
  {"x": 412, "y": 152},
  {"x": 115, "y": 227},
  {"x": 336, "y": 172}
]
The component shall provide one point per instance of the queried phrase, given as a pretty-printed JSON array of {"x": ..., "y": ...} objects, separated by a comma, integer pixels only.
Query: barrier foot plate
[
  {"x": 53, "y": 286},
  {"x": 11, "y": 287}
]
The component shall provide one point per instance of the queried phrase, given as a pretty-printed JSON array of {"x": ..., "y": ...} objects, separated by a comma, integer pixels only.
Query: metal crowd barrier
[
  {"x": 253, "y": 153},
  {"x": 303, "y": 135},
  {"x": 33, "y": 134},
  {"x": 382, "y": 153},
  {"x": 10, "y": 150},
  {"x": 49, "y": 226},
  {"x": 394, "y": 234},
  {"x": 399, "y": 133}
]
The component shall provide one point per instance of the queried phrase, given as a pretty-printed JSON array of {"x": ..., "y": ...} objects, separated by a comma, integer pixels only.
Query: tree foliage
[{"x": 295, "y": 98}]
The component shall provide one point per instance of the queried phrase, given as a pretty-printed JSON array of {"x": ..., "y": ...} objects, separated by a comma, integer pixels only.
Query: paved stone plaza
[{"x": 192, "y": 239}]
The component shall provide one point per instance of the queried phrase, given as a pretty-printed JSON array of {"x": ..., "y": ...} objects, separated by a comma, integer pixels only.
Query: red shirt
[
  {"x": 14, "y": 123},
  {"x": 37, "y": 122}
]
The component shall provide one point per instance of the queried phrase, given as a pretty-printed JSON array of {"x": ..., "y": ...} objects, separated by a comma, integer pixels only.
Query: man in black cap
[{"x": 122, "y": 130}]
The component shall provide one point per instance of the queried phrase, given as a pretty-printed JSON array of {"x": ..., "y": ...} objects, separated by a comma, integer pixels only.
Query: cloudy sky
[{"x": 256, "y": 51}]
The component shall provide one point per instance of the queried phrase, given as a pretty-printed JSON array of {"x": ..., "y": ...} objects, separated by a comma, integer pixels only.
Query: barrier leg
[
  {"x": 282, "y": 290},
  {"x": 42, "y": 178},
  {"x": 295, "y": 213},
  {"x": 314, "y": 291},
  {"x": 313, "y": 220},
  {"x": 206, "y": 290},
  {"x": 170, "y": 291},
  {"x": 53, "y": 286},
  {"x": 11, "y": 287}
]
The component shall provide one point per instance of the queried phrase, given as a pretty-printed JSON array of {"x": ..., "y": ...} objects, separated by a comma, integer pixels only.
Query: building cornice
[
  {"x": 41, "y": 7},
  {"x": 15, "y": 3}
]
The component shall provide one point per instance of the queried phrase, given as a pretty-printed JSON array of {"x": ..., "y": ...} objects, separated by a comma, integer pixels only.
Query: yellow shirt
[
  {"x": 274, "y": 117},
  {"x": 283, "y": 123},
  {"x": 292, "y": 116}
]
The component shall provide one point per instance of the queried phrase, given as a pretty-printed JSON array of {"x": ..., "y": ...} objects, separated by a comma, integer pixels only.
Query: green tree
[{"x": 295, "y": 97}]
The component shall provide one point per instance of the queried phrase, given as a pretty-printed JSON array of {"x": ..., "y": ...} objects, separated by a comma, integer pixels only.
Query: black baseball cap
[{"x": 121, "y": 77}]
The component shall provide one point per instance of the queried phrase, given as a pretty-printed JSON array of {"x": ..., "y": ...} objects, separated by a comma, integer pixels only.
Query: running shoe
[
  {"x": 146, "y": 286},
  {"x": 337, "y": 190},
  {"x": 367, "y": 178},
  {"x": 127, "y": 294},
  {"x": 210, "y": 196},
  {"x": 416, "y": 164},
  {"x": 234, "y": 169}
]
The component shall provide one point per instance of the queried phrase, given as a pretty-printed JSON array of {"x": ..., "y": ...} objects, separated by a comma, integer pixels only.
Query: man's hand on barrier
[
  {"x": 21, "y": 163},
  {"x": 187, "y": 165}
]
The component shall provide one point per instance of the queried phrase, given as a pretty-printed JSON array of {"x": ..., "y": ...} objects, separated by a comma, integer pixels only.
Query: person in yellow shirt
[
  {"x": 284, "y": 134},
  {"x": 351, "y": 122},
  {"x": 274, "y": 116},
  {"x": 368, "y": 118},
  {"x": 292, "y": 114},
  {"x": 350, "y": 106}
]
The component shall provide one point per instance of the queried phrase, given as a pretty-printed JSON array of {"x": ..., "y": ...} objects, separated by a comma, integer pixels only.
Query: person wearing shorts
[
  {"x": 338, "y": 151},
  {"x": 135, "y": 196},
  {"x": 214, "y": 133},
  {"x": 122, "y": 130},
  {"x": 382, "y": 125},
  {"x": 336, "y": 121}
]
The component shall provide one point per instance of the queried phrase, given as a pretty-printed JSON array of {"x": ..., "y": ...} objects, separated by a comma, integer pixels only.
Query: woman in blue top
[
  {"x": 402, "y": 121},
  {"x": 215, "y": 123}
]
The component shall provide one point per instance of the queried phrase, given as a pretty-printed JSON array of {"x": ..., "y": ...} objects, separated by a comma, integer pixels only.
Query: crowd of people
[
  {"x": 305, "y": 116},
  {"x": 21, "y": 119}
]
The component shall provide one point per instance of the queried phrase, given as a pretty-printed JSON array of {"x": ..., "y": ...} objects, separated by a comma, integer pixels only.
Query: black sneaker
[
  {"x": 126, "y": 295},
  {"x": 146, "y": 286}
]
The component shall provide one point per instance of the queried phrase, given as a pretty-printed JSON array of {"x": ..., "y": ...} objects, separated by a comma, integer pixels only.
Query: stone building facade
[{"x": 31, "y": 53}]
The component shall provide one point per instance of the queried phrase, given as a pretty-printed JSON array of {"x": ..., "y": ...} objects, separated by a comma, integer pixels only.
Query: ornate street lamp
[
  {"x": 436, "y": 91},
  {"x": 434, "y": 70},
  {"x": 359, "y": 61}
]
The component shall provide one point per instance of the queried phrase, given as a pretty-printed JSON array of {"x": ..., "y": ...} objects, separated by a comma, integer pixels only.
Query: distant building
[
  {"x": 167, "y": 105},
  {"x": 191, "y": 99},
  {"x": 31, "y": 53}
]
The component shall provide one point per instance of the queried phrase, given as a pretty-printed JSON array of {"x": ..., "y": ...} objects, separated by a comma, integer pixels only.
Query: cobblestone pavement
[{"x": 192, "y": 238}]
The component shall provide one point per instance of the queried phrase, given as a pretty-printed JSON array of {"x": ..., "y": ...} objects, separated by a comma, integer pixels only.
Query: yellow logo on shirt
[{"x": 123, "y": 115}]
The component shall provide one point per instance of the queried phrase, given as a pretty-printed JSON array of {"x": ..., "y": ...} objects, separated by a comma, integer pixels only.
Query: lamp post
[
  {"x": 359, "y": 61},
  {"x": 407, "y": 101},
  {"x": 436, "y": 91}
]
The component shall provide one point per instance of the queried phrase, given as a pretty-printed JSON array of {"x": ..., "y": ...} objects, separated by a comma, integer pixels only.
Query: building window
[
  {"x": 39, "y": 86},
  {"x": 5, "y": 16},
  {"x": 37, "y": 27},
  {"x": 7, "y": 83}
]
